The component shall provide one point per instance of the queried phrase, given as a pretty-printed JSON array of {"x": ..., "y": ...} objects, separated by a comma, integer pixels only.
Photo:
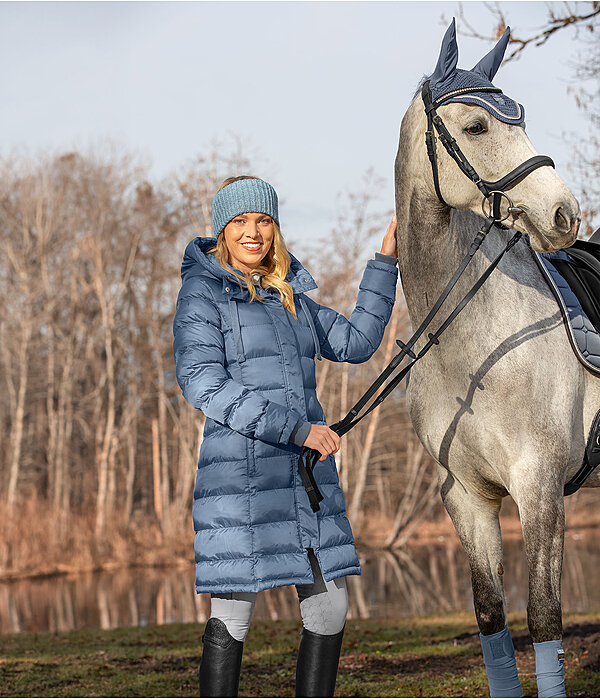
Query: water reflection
[{"x": 411, "y": 581}]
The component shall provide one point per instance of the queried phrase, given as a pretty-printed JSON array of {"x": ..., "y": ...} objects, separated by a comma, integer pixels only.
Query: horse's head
[{"x": 489, "y": 129}]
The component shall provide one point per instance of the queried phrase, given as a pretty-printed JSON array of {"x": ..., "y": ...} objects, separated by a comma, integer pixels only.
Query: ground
[{"x": 435, "y": 656}]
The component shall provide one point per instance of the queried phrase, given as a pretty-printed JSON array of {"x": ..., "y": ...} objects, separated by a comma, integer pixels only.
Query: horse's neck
[
  {"x": 431, "y": 244},
  {"x": 427, "y": 251},
  {"x": 416, "y": 229}
]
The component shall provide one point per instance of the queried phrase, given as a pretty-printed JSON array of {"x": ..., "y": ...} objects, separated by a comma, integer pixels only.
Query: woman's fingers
[
  {"x": 392, "y": 225},
  {"x": 323, "y": 439},
  {"x": 330, "y": 443},
  {"x": 389, "y": 245}
]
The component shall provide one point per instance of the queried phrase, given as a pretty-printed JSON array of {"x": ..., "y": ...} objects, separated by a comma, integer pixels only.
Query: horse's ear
[
  {"x": 489, "y": 64},
  {"x": 448, "y": 59}
]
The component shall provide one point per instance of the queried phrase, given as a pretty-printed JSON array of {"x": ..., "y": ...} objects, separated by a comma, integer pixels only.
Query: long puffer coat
[{"x": 250, "y": 368}]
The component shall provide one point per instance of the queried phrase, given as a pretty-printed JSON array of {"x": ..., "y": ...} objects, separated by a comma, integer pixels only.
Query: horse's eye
[{"x": 475, "y": 129}]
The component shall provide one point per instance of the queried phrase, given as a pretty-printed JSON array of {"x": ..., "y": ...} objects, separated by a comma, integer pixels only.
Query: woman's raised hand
[
  {"x": 389, "y": 245},
  {"x": 323, "y": 439}
]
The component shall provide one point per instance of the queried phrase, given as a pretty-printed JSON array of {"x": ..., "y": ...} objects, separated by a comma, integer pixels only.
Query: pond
[{"x": 416, "y": 580}]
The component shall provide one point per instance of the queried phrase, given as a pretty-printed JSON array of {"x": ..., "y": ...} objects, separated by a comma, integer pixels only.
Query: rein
[{"x": 492, "y": 195}]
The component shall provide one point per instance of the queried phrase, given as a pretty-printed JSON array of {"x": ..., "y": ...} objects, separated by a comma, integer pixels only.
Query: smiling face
[{"x": 248, "y": 237}]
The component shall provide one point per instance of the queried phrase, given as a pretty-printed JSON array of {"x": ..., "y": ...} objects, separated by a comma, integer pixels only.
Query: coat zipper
[
  {"x": 312, "y": 328},
  {"x": 237, "y": 334}
]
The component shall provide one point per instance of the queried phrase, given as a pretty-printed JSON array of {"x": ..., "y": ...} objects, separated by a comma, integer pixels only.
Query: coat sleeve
[
  {"x": 199, "y": 352},
  {"x": 355, "y": 339}
]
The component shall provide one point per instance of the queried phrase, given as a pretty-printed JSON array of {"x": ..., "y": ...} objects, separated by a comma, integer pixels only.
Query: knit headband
[{"x": 243, "y": 196}]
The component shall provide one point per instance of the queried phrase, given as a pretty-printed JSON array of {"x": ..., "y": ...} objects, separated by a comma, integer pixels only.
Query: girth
[{"x": 591, "y": 458}]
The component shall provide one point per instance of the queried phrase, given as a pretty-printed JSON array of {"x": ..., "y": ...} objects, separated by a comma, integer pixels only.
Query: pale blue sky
[{"x": 316, "y": 89}]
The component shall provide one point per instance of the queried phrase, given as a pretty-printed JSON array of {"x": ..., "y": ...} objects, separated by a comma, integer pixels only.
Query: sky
[{"x": 314, "y": 91}]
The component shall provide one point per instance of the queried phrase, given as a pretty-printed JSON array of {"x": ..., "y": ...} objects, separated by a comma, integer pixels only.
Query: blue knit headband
[{"x": 240, "y": 197}]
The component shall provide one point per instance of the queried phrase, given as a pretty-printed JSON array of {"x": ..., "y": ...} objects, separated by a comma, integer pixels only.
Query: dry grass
[{"x": 434, "y": 656}]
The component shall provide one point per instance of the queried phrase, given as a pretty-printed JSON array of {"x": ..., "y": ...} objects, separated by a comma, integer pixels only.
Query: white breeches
[{"x": 323, "y": 605}]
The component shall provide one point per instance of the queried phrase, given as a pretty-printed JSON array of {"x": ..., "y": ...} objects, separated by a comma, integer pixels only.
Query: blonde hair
[{"x": 273, "y": 268}]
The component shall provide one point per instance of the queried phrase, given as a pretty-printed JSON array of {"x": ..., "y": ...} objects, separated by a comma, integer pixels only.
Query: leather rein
[{"x": 492, "y": 192}]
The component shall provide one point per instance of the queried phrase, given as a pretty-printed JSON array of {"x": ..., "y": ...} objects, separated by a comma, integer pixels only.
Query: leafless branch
[{"x": 579, "y": 14}]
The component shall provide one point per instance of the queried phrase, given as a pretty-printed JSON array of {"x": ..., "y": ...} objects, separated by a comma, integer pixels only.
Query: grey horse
[{"x": 501, "y": 404}]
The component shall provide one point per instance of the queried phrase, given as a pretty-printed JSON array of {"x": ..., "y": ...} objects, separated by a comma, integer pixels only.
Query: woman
[{"x": 246, "y": 336}]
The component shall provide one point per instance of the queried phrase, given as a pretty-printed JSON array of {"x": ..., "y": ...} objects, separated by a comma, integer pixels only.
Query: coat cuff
[
  {"x": 391, "y": 259},
  {"x": 300, "y": 432}
]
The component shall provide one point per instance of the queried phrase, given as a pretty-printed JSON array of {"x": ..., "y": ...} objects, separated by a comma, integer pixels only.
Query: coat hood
[{"x": 197, "y": 262}]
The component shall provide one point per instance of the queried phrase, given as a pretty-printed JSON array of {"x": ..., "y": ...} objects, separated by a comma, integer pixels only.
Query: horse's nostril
[{"x": 560, "y": 220}]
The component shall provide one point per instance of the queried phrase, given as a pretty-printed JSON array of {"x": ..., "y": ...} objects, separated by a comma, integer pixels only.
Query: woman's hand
[
  {"x": 323, "y": 439},
  {"x": 389, "y": 245}
]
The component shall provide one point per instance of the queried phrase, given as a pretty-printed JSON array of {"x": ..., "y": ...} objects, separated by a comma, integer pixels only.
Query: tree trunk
[
  {"x": 361, "y": 480},
  {"x": 17, "y": 426},
  {"x": 158, "y": 506}
]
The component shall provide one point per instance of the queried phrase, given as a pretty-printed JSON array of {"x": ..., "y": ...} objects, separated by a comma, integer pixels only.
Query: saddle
[{"x": 573, "y": 275}]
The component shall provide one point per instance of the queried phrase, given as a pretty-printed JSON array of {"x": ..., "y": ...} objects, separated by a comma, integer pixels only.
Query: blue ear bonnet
[
  {"x": 451, "y": 84},
  {"x": 497, "y": 104}
]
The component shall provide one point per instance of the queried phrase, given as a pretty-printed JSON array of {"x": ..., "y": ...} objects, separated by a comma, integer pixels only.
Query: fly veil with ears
[{"x": 451, "y": 84}]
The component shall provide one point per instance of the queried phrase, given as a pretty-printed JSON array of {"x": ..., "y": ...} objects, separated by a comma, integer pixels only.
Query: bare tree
[
  {"x": 97, "y": 437},
  {"x": 578, "y": 15}
]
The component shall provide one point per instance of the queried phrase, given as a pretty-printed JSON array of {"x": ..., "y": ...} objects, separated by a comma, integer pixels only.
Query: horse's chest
[{"x": 478, "y": 406}]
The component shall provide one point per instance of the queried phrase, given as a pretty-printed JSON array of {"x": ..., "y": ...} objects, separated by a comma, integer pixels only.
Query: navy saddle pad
[{"x": 573, "y": 275}]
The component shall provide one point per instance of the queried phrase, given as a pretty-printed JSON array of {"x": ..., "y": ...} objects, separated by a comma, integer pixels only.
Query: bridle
[
  {"x": 492, "y": 192},
  {"x": 488, "y": 189}
]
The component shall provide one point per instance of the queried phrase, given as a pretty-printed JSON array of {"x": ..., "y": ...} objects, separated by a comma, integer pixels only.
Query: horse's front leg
[
  {"x": 476, "y": 521},
  {"x": 541, "y": 509}
]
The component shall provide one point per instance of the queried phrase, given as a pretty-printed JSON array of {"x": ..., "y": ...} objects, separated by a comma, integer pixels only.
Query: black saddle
[{"x": 581, "y": 270}]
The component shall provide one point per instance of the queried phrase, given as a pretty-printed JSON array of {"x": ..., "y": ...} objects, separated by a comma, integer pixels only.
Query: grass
[{"x": 436, "y": 656}]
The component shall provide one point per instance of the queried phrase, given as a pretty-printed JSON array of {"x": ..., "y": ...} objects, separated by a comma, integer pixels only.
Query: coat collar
[{"x": 197, "y": 262}]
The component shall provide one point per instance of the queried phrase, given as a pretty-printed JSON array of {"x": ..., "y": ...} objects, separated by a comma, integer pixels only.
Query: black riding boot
[
  {"x": 316, "y": 669},
  {"x": 219, "y": 674}
]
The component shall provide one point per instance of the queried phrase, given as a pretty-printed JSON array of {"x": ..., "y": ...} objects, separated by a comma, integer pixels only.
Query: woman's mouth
[{"x": 252, "y": 247}]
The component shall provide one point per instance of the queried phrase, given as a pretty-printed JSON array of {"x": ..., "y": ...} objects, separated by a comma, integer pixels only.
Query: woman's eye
[{"x": 475, "y": 129}]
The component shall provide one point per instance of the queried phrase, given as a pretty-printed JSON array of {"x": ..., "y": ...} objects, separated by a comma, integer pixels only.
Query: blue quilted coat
[{"x": 250, "y": 368}]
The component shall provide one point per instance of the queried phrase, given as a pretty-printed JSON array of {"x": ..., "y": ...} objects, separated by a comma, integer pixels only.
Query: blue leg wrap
[
  {"x": 550, "y": 669},
  {"x": 501, "y": 665}
]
